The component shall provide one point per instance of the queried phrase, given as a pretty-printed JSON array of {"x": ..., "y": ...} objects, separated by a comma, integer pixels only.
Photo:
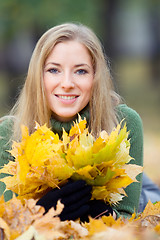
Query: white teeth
[{"x": 67, "y": 97}]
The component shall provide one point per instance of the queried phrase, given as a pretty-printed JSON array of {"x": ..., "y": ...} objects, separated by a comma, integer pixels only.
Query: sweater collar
[{"x": 57, "y": 126}]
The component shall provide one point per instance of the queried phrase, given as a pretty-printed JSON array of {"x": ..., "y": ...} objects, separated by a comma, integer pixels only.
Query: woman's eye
[
  {"x": 53, "y": 70},
  {"x": 81, "y": 71}
]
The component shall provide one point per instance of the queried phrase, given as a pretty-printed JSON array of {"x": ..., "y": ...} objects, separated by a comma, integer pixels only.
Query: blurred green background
[{"x": 130, "y": 33}]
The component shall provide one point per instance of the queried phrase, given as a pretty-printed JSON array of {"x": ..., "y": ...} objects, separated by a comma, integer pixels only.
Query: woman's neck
[{"x": 57, "y": 126}]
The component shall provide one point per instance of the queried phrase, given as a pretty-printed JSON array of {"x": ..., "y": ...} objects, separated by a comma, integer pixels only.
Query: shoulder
[
  {"x": 6, "y": 124},
  {"x": 129, "y": 115},
  {"x": 133, "y": 121}
]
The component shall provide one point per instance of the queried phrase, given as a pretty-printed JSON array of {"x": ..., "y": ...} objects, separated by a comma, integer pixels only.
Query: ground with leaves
[{"x": 27, "y": 222}]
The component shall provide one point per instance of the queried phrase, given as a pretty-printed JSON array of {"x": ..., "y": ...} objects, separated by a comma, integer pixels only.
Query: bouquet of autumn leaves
[{"x": 44, "y": 161}]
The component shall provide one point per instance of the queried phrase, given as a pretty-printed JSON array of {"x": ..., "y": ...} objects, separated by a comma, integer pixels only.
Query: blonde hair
[{"x": 32, "y": 106}]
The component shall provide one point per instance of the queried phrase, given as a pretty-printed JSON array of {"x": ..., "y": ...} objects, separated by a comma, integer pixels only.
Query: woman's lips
[{"x": 67, "y": 99}]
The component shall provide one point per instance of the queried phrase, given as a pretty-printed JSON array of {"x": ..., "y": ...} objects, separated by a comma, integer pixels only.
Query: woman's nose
[{"x": 67, "y": 81}]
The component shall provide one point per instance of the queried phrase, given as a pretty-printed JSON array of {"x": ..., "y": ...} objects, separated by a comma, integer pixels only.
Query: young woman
[{"x": 68, "y": 74}]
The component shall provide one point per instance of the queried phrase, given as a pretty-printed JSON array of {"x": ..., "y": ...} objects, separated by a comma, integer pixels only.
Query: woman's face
[{"x": 68, "y": 79}]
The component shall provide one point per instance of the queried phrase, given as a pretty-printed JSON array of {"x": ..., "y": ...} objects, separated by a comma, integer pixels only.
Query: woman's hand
[
  {"x": 97, "y": 209},
  {"x": 74, "y": 195}
]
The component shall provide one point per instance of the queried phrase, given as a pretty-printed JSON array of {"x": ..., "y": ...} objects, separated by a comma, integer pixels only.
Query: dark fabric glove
[
  {"x": 97, "y": 208},
  {"x": 75, "y": 197}
]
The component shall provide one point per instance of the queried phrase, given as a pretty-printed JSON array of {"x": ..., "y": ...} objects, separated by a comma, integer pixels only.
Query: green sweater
[{"x": 130, "y": 203}]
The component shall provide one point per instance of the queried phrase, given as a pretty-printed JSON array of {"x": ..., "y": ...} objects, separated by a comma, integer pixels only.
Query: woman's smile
[{"x": 67, "y": 99}]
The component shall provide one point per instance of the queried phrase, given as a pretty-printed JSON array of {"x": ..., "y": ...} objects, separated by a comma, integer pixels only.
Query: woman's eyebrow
[
  {"x": 82, "y": 65},
  {"x": 53, "y": 63}
]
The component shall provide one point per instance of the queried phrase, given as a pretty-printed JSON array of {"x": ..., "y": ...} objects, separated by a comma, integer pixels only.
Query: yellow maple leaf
[
  {"x": 6, "y": 231},
  {"x": 79, "y": 127},
  {"x": 132, "y": 171},
  {"x": 18, "y": 217},
  {"x": 119, "y": 182},
  {"x": 95, "y": 226},
  {"x": 157, "y": 228},
  {"x": 151, "y": 209},
  {"x": 111, "y": 222},
  {"x": 85, "y": 173}
]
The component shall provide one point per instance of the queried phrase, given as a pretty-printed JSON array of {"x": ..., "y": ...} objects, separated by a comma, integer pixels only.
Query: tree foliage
[{"x": 16, "y": 15}]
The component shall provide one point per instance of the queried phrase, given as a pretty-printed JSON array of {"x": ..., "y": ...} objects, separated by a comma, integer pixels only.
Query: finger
[
  {"x": 77, "y": 196},
  {"x": 67, "y": 189},
  {"x": 49, "y": 198},
  {"x": 76, "y": 214},
  {"x": 71, "y": 187},
  {"x": 76, "y": 205}
]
